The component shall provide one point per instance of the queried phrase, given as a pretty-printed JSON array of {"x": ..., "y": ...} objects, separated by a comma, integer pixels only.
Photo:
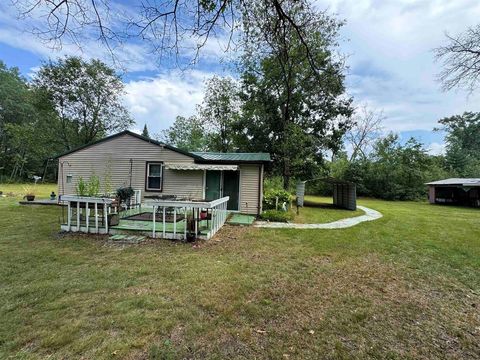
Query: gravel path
[{"x": 369, "y": 215}]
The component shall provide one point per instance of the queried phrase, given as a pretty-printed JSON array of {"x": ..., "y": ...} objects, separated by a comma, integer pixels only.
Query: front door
[
  {"x": 231, "y": 181},
  {"x": 213, "y": 180},
  {"x": 223, "y": 183}
]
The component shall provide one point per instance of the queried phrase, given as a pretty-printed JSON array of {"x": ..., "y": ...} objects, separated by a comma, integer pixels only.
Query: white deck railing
[
  {"x": 83, "y": 206},
  {"x": 201, "y": 219},
  {"x": 216, "y": 215}
]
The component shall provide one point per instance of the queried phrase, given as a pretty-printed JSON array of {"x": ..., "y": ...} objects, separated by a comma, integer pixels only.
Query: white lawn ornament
[
  {"x": 284, "y": 206},
  {"x": 36, "y": 178}
]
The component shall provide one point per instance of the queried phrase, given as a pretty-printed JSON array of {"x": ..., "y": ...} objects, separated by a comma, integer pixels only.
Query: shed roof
[
  {"x": 127, "y": 132},
  {"x": 233, "y": 157},
  {"x": 456, "y": 182},
  {"x": 331, "y": 180}
]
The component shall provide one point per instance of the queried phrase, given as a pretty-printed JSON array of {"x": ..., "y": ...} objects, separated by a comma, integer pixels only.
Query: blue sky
[{"x": 388, "y": 42}]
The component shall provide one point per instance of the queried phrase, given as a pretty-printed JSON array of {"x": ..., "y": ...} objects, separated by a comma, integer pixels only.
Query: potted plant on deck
[
  {"x": 29, "y": 193},
  {"x": 124, "y": 195}
]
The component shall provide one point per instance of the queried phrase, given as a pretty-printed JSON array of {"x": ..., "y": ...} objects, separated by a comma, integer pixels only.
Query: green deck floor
[{"x": 241, "y": 219}]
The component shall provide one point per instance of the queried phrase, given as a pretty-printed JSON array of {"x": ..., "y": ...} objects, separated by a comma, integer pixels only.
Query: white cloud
[
  {"x": 157, "y": 101},
  {"x": 436, "y": 148},
  {"x": 391, "y": 61}
]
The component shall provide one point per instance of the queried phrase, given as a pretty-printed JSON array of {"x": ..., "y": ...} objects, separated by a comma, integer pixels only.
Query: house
[
  {"x": 153, "y": 168},
  {"x": 455, "y": 191}
]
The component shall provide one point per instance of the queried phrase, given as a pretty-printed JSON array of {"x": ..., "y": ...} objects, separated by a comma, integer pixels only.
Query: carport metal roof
[{"x": 456, "y": 182}]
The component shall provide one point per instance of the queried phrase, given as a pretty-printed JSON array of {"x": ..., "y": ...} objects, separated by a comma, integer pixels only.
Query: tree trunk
[{"x": 286, "y": 173}]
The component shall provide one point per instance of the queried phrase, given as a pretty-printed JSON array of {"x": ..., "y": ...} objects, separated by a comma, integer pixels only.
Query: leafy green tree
[
  {"x": 220, "y": 113},
  {"x": 26, "y": 139},
  {"x": 463, "y": 144},
  {"x": 186, "y": 134},
  {"x": 87, "y": 98},
  {"x": 392, "y": 170},
  {"x": 295, "y": 105}
]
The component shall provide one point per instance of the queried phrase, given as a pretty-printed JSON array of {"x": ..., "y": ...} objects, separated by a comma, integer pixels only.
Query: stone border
[{"x": 369, "y": 215}]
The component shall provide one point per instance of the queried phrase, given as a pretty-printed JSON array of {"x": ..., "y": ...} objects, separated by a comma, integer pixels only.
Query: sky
[{"x": 388, "y": 44}]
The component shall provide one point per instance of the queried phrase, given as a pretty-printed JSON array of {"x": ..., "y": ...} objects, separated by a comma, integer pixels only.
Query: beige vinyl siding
[
  {"x": 250, "y": 179},
  {"x": 113, "y": 157}
]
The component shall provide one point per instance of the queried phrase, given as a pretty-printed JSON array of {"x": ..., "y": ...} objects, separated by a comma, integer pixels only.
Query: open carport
[{"x": 455, "y": 191}]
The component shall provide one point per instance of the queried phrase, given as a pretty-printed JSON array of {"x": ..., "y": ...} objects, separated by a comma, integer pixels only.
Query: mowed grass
[
  {"x": 41, "y": 191},
  {"x": 404, "y": 286},
  {"x": 320, "y": 210}
]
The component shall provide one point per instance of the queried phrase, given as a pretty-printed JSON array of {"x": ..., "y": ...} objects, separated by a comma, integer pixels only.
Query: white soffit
[{"x": 187, "y": 166}]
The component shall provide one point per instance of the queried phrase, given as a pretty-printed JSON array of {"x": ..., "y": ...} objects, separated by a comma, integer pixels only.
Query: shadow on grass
[{"x": 319, "y": 205}]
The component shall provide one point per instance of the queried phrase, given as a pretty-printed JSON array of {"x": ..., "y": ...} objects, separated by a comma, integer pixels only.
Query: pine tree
[{"x": 145, "y": 131}]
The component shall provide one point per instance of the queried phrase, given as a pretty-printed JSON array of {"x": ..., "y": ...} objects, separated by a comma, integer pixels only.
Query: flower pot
[{"x": 29, "y": 197}]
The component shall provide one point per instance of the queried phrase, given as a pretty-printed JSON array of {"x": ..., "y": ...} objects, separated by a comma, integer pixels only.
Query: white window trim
[{"x": 147, "y": 173}]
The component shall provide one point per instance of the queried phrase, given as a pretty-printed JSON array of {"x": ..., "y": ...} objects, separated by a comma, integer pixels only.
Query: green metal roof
[{"x": 233, "y": 157}]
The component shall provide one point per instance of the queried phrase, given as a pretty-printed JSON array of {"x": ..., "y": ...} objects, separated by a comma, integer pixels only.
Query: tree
[
  {"x": 463, "y": 143},
  {"x": 169, "y": 27},
  {"x": 294, "y": 101},
  {"x": 145, "y": 131},
  {"x": 220, "y": 112},
  {"x": 87, "y": 98},
  {"x": 26, "y": 115},
  {"x": 460, "y": 57},
  {"x": 365, "y": 129},
  {"x": 186, "y": 133},
  {"x": 391, "y": 170}
]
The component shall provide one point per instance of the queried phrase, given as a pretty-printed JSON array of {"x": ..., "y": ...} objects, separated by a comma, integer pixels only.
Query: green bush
[
  {"x": 88, "y": 188},
  {"x": 277, "y": 216},
  {"x": 273, "y": 182},
  {"x": 270, "y": 196},
  {"x": 93, "y": 186},
  {"x": 81, "y": 188}
]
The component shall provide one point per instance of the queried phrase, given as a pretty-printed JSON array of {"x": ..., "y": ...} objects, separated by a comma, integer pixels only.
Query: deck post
[
  {"x": 153, "y": 217},
  {"x": 69, "y": 216},
  {"x": 105, "y": 213},
  {"x": 163, "y": 222},
  {"x": 212, "y": 219},
  {"x": 196, "y": 215},
  {"x": 215, "y": 220},
  {"x": 87, "y": 214},
  {"x": 174, "y": 222},
  {"x": 96, "y": 218},
  {"x": 224, "y": 213},
  {"x": 186, "y": 223},
  {"x": 78, "y": 215}
]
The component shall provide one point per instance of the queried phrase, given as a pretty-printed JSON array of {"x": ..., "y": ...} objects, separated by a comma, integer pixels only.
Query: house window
[
  {"x": 69, "y": 179},
  {"x": 154, "y": 176}
]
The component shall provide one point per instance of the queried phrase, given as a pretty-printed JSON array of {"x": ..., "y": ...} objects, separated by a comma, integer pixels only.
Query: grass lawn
[
  {"x": 404, "y": 286},
  {"x": 42, "y": 191},
  {"x": 319, "y": 210}
]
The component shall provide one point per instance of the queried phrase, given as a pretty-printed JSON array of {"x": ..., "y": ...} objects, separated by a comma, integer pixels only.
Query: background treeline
[
  {"x": 68, "y": 103},
  {"x": 287, "y": 97}
]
